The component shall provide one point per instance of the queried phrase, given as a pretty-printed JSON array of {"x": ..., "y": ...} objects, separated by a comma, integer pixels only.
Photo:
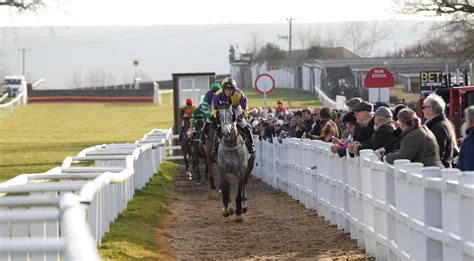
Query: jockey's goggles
[{"x": 228, "y": 86}]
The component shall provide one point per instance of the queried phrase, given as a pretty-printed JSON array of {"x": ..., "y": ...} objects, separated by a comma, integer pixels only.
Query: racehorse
[
  {"x": 233, "y": 158},
  {"x": 198, "y": 151},
  {"x": 210, "y": 160},
  {"x": 185, "y": 142}
]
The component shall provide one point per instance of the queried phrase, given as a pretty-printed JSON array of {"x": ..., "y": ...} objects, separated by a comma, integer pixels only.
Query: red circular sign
[
  {"x": 264, "y": 83},
  {"x": 379, "y": 78}
]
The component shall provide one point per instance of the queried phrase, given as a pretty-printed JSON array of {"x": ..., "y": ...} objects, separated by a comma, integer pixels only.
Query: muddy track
[{"x": 275, "y": 226}]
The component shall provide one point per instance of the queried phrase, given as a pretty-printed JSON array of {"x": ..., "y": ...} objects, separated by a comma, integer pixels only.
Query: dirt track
[{"x": 275, "y": 226}]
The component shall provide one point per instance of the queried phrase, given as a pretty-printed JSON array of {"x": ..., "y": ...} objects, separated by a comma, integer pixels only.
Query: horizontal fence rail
[
  {"x": 8, "y": 108},
  {"x": 63, "y": 213},
  {"x": 396, "y": 212}
]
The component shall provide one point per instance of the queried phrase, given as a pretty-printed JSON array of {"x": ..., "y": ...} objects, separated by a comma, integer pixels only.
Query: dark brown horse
[
  {"x": 210, "y": 160},
  {"x": 198, "y": 151},
  {"x": 185, "y": 142}
]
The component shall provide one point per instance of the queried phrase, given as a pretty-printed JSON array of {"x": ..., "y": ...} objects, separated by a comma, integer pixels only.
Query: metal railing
[
  {"x": 64, "y": 213},
  {"x": 396, "y": 212}
]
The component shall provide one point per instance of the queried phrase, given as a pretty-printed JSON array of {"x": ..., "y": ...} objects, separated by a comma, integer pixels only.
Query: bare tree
[
  {"x": 309, "y": 36},
  {"x": 460, "y": 26},
  {"x": 255, "y": 43},
  {"x": 362, "y": 36},
  {"x": 437, "y": 7},
  {"x": 96, "y": 78},
  {"x": 434, "y": 46},
  {"x": 22, "y": 5}
]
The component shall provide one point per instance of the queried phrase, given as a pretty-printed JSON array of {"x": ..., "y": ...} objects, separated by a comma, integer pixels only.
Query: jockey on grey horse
[{"x": 230, "y": 94}]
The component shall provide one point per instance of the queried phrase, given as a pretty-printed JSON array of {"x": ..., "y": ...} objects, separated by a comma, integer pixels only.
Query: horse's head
[{"x": 227, "y": 120}]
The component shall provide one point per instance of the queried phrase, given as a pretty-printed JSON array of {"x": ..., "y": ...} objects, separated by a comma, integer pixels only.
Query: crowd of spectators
[{"x": 393, "y": 132}]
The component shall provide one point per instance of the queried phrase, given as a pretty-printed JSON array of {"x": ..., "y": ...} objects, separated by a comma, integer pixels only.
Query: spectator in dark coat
[
  {"x": 316, "y": 126},
  {"x": 308, "y": 119},
  {"x": 383, "y": 135},
  {"x": 418, "y": 143},
  {"x": 466, "y": 155},
  {"x": 340, "y": 146},
  {"x": 397, "y": 131},
  {"x": 300, "y": 126},
  {"x": 365, "y": 120},
  {"x": 433, "y": 110}
]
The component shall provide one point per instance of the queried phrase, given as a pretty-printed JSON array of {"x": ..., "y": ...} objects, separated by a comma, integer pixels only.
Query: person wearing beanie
[{"x": 382, "y": 137}]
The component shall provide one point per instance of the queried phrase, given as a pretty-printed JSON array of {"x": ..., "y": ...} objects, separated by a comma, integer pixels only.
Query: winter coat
[
  {"x": 382, "y": 137},
  {"x": 316, "y": 129},
  {"x": 417, "y": 145},
  {"x": 364, "y": 133},
  {"x": 440, "y": 127},
  {"x": 466, "y": 155}
]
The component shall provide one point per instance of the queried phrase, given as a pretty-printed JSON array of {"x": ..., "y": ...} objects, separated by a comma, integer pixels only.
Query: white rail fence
[
  {"x": 396, "y": 212},
  {"x": 63, "y": 214},
  {"x": 10, "y": 107}
]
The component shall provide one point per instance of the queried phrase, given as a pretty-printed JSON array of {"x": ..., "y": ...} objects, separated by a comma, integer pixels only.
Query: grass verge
[
  {"x": 133, "y": 234},
  {"x": 290, "y": 97},
  {"x": 38, "y": 137}
]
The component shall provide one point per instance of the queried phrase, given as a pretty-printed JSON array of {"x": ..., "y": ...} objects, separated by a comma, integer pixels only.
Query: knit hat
[{"x": 384, "y": 112}]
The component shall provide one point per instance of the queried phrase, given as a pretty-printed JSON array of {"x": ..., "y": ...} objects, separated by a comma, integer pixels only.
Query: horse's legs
[
  {"x": 196, "y": 162},
  {"x": 186, "y": 161},
  {"x": 210, "y": 161},
  {"x": 225, "y": 186},
  {"x": 249, "y": 169},
  {"x": 239, "y": 197},
  {"x": 204, "y": 156}
]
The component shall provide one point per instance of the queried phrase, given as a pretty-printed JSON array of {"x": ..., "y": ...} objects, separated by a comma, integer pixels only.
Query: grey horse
[{"x": 233, "y": 158}]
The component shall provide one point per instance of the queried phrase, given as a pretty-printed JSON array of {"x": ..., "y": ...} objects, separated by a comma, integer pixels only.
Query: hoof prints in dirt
[
  {"x": 183, "y": 183},
  {"x": 275, "y": 226}
]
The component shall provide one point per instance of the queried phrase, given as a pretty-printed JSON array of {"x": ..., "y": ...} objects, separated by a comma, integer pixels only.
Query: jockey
[
  {"x": 229, "y": 93},
  {"x": 197, "y": 115},
  {"x": 186, "y": 114},
  {"x": 207, "y": 109}
]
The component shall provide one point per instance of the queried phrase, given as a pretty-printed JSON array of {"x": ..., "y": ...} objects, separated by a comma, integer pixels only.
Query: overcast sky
[{"x": 153, "y": 12}]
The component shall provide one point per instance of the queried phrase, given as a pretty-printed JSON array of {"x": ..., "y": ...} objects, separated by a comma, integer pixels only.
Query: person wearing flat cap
[
  {"x": 353, "y": 102},
  {"x": 363, "y": 114},
  {"x": 383, "y": 136}
]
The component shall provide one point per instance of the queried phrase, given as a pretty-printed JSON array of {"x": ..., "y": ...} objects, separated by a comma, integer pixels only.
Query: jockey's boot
[
  {"x": 215, "y": 146},
  {"x": 204, "y": 132},
  {"x": 249, "y": 139},
  {"x": 203, "y": 138}
]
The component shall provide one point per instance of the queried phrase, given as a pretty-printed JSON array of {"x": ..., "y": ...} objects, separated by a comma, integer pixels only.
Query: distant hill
[{"x": 69, "y": 57}]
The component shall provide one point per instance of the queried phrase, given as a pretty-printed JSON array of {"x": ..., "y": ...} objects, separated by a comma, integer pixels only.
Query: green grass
[
  {"x": 133, "y": 234},
  {"x": 38, "y": 137},
  {"x": 291, "y": 98}
]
